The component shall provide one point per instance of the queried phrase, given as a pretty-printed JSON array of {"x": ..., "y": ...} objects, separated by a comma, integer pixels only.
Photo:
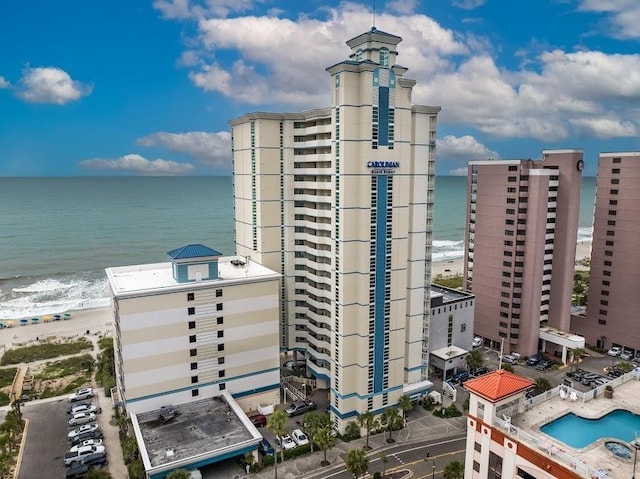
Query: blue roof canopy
[{"x": 193, "y": 251}]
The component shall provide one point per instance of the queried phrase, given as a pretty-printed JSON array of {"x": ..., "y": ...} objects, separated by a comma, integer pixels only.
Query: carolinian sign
[{"x": 383, "y": 166}]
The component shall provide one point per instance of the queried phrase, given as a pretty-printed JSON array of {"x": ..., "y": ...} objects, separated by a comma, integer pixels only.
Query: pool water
[{"x": 578, "y": 432}]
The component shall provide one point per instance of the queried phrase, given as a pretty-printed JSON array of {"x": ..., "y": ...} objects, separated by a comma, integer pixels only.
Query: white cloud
[
  {"x": 468, "y": 4},
  {"x": 462, "y": 171},
  {"x": 4, "y": 83},
  {"x": 50, "y": 85},
  {"x": 462, "y": 148},
  {"x": 133, "y": 163},
  {"x": 212, "y": 149},
  {"x": 403, "y": 7},
  {"x": 624, "y": 20},
  {"x": 183, "y": 9},
  {"x": 605, "y": 127}
]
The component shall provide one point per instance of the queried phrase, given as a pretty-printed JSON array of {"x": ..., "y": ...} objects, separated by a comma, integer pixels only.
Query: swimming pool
[{"x": 578, "y": 432}]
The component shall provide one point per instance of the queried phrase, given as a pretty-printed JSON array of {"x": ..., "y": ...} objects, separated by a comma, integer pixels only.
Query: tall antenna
[{"x": 374, "y": 15}]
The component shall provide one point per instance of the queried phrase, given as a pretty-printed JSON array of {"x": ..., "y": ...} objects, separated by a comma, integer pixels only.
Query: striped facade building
[
  {"x": 339, "y": 201},
  {"x": 194, "y": 327}
]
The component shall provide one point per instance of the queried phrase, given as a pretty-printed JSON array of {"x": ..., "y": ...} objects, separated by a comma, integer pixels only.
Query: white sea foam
[
  {"x": 585, "y": 234},
  {"x": 44, "y": 286}
]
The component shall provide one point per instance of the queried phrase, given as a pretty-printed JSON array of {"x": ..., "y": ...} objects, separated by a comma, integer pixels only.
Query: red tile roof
[{"x": 498, "y": 385}]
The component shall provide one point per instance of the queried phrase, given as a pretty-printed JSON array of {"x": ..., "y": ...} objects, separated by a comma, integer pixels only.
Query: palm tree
[
  {"x": 474, "y": 359},
  {"x": 383, "y": 459},
  {"x": 543, "y": 384},
  {"x": 365, "y": 420},
  {"x": 357, "y": 462},
  {"x": 325, "y": 441},
  {"x": 453, "y": 470},
  {"x": 406, "y": 405},
  {"x": 277, "y": 424},
  {"x": 352, "y": 431},
  {"x": 391, "y": 420},
  {"x": 576, "y": 355},
  {"x": 313, "y": 422}
]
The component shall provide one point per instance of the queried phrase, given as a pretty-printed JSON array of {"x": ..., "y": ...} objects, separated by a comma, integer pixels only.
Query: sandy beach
[
  {"x": 454, "y": 267},
  {"x": 82, "y": 323}
]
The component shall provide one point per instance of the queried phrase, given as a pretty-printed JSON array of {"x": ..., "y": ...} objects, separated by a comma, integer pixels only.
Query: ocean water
[{"x": 57, "y": 235}]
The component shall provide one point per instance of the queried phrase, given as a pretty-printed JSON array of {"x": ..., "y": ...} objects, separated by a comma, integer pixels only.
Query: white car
[
  {"x": 82, "y": 430},
  {"x": 88, "y": 442},
  {"x": 82, "y": 408},
  {"x": 82, "y": 418},
  {"x": 477, "y": 342},
  {"x": 78, "y": 455},
  {"x": 615, "y": 351},
  {"x": 80, "y": 394},
  {"x": 299, "y": 437},
  {"x": 286, "y": 442},
  {"x": 626, "y": 355}
]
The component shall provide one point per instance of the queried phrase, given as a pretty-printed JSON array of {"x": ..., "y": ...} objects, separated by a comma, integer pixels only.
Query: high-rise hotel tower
[{"x": 340, "y": 200}]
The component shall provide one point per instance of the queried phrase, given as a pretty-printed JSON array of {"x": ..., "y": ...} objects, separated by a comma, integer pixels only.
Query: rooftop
[
  {"x": 449, "y": 295},
  {"x": 193, "y": 251},
  {"x": 498, "y": 385},
  {"x": 594, "y": 460},
  {"x": 198, "y": 430},
  {"x": 147, "y": 278}
]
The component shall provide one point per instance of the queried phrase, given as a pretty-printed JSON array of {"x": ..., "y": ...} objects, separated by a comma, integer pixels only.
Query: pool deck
[{"x": 595, "y": 455}]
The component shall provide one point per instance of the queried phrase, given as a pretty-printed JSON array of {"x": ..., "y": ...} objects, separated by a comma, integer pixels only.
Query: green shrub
[
  {"x": 38, "y": 352},
  {"x": 451, "y": 411},
  {"x": 4, "y": 399},
  {"x": 67, "y": 367},
  {"x": 6, "y": 376}
]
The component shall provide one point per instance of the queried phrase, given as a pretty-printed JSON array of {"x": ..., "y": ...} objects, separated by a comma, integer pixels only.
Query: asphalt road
[
  {"x": 412, "y": 457},
  {"x": 46, "y": 441}
]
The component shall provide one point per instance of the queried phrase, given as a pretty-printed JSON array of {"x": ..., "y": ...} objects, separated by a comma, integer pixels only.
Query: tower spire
[{"x": 373, "y": 26}]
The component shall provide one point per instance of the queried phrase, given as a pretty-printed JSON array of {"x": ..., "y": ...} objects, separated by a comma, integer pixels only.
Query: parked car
[
  {"x": 479, "y": 371},
  {"x": 626, "y": 355},
  {"x": 87, "y": 442},
  {"x": 299, "y": 437},
  {"x": 95, "y": 460},
  {"x": 544, "y": 365},
  {"x": 459, "y": 377},
  {"x": 259, "y": 420},
  {"x": 614, "y": 373},
  {"x": 596, "y": 383},
  {"x": 265, "y": 448},
  {"x": 300, "y": 407},
  {"x": 79, "y": 403},
  {"x": 82, "y": 429},
  {"x": 78, "y": 455},
  {"x": 81, "y": 394},
  {"x": 615, "y": 351},
  {"x": 82, "y": 418},
  {"x": 285, "y": 442},
  {"x": 535, "y": 359},
  {"x": 510, "y": 358},
  {"x": 82, "y": 408},
  {"x": 587, "y": 378},
  {"x": 85, "y": 436},
  {"x": 477, "y": 342}
]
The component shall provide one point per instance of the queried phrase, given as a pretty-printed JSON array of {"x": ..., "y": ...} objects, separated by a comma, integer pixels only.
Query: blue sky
[{"x": 147, "y": 87}]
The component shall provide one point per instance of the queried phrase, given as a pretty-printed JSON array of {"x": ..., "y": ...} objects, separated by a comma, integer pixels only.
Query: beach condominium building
[
  {"x": 613, "y": 301},
  {"x": 339, "y": 200},
  {"x": 520, "y": 243},
  {"x": 194, "y": 327}
]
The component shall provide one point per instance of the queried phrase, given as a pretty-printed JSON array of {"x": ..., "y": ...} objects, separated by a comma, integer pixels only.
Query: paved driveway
[{"x": 46, "y": 440}]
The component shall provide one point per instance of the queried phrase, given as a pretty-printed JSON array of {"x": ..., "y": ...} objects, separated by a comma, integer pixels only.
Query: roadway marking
[{"x": 432, "y": 458}]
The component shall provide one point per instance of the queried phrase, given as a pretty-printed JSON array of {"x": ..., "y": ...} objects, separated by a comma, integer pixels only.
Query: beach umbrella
[
  {"x": 11, "y": 324},
  {"x": 2, "y": 325},
  {"x": 35, "y": 320},
  {"x": 67, "y": 315},
  {"x": 56, "y": 317},
  {"x": 47, "y": 318},
  {"x": 24, "y": 322}
]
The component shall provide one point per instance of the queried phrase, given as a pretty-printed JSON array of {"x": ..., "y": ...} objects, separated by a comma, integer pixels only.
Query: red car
[{"x": 259, "y": 420}]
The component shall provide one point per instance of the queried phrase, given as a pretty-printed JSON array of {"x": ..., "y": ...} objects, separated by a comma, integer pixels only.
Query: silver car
[{"x": 82, "y": 418}]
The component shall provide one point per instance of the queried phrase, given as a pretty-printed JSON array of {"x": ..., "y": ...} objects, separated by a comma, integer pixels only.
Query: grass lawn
[
  {"x": 6, "y": 376},
  {"x": 37, "y": 352},
  {"x": 66, "y": 367}
]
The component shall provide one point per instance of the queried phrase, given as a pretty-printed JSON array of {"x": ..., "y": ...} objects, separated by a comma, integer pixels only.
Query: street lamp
[
  {"x": 636, "y": 446},
  {"x": 433, "y": 469}
]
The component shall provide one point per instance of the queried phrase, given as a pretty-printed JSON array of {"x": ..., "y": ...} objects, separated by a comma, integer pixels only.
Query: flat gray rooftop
[
  {"x": 198, "y": 428},
  {"x": 450, "y": 295}
]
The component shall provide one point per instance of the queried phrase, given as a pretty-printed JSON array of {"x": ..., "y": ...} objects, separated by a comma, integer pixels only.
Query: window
[
  {"x": 223, "y": 386},
  {"x": 193, "y": 352},
  {"x": 220, "y": 347},
  {"x": 463, "y": 328},
  {"x": 511, "y": 200},
  {"x": 614, "y": 192},
  {"x": 219, "y": 307},
  {"x": 192, "y": 325},
  {"x": 616, "y": 160},
  {"x": 384, "y": 57},
  {"x": 495, "y": 466},
  {"x": 221, "y": 360},
  {"x": 220, "y": 320},
  {"x": 191, "y": 311},
  {"x": 221, "y": 373},
  {"x": 191, "y": 296},
  {"x": 195, "y": 392},
  {"x": 194, "y": 366},
  {"x": 477, "y": 447},
  {"x": 218, "y": 293},
  {"x": 476, "y": 466},
  {"x": 511, "y": 168},
  {"x": 615, "y": 181},
  {"x": 192, "y": 338},
  {"x": 194, "y": 379},
  {"x": 221, "y": 334},
  {"x": 512, "y": 179},
  {"x": 602, "y": 321}
]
